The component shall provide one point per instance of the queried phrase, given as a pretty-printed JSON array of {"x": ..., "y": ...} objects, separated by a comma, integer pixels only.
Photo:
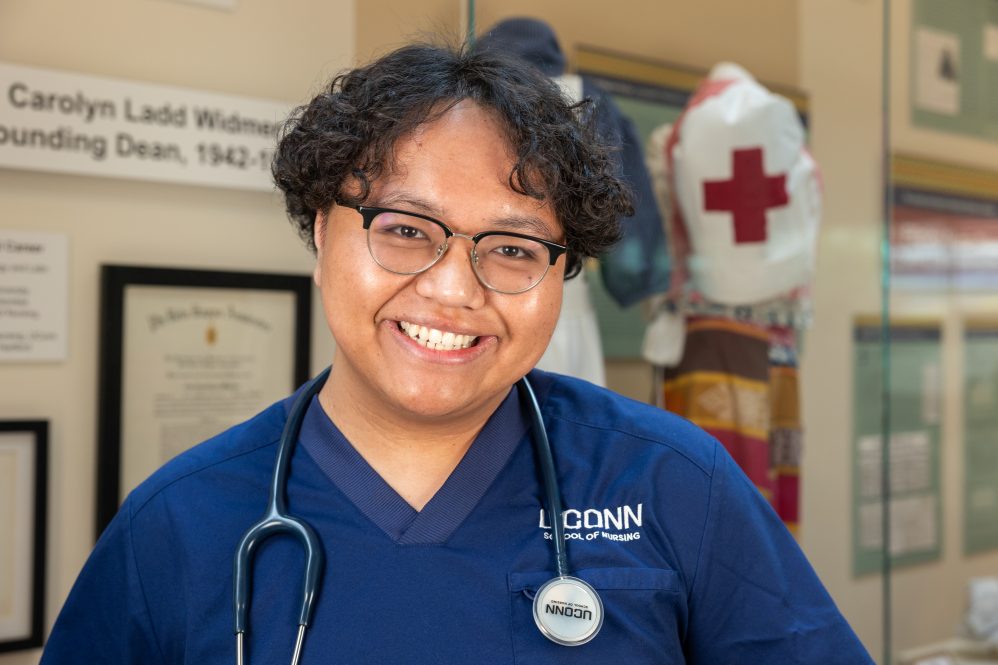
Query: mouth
[{"x": 438, "y": 340}]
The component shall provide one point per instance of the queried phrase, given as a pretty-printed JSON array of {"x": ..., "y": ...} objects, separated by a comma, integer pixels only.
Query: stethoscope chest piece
[{"x": 568, "y": 611}]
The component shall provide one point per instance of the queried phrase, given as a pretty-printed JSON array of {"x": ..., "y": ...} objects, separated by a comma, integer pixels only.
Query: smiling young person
[
  {"x": 447, "y": 195},
  {"x": 412, "y": 410}
]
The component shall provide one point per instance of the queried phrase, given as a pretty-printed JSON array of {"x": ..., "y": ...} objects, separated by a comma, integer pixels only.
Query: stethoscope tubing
[{"x": 549, "y": 478}]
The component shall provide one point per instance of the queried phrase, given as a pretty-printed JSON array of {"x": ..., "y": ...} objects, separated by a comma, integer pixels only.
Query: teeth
[{"x": 439, "y": 340}]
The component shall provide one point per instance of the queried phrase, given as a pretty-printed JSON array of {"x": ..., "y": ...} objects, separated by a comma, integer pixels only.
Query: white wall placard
[
  {"x": 34, "y": 274},
  {"x": 75, "y": 123}
]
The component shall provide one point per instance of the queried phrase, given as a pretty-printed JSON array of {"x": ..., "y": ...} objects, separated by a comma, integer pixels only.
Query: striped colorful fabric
[
  {"x": 785, "y": 434},
  {"x": 738, "y": 381}
]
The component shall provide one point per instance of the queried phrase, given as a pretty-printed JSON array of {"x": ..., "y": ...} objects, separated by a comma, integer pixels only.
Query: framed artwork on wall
[
  {"x": 23, "y": 492},
  {"x": 186, "y": 354}
]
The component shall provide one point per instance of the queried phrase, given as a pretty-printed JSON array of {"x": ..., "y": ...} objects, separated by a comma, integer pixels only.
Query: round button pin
[{"x": 568, "y": 611}]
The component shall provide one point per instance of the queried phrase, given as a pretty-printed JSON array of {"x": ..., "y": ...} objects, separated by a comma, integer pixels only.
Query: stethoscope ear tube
[{"x": 272, "y": 525}]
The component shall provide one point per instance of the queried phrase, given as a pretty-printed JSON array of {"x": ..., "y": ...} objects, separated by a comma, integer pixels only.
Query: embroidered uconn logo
[{"x": 620, "y": 524}]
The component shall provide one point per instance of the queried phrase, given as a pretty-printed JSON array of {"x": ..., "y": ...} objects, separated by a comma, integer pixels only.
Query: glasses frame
[{"x": 368, "y": 213}]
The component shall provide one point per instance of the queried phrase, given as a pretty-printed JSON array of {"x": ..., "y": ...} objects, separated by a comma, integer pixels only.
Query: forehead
[
  {"x": 458, "y": 166},
  {"x": 462, "y": 131}
]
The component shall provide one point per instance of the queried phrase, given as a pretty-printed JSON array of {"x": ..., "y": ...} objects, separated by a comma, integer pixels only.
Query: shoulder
[
  {"x": 227, "y": 448},
  {"x": 601, "y": 415}
]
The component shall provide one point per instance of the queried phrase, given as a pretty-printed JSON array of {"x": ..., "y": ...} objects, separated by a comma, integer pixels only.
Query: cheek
[
  {"x": 541, "y": 316},
  {"x": 335, "y": 278},
  {"x": 353, "y": 286},
  {"x": 552, "y": 310},
  {"x": 338, "y": 264}
]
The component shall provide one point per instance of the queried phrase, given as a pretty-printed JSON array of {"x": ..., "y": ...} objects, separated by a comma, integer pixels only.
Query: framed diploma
[
  {"x": 23, "y": 491},
  {"x": 186, "y": 354}
]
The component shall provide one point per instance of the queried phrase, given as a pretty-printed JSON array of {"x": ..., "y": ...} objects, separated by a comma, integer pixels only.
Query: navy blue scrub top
[{"x": 691, "y": 562}]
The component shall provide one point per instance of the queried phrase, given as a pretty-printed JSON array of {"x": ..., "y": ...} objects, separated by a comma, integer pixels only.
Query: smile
[{"x": 438, "y": 340}]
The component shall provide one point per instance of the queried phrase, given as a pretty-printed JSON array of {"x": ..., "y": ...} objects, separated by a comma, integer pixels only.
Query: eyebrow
[
  {"x": 409, "y": 201},
  {"x": 523, "y": 224},
  {"x": 519, "y": 223}
]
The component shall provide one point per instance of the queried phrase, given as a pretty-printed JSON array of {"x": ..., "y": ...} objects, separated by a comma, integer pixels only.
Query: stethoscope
[{"x": 567, "y": 610}]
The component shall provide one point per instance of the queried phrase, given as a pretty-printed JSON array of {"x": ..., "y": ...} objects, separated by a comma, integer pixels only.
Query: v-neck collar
[{"x": 376, "y": 499}]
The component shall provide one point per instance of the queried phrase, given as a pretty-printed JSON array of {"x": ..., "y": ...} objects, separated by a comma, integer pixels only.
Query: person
[{"x": 440, "y": 188}]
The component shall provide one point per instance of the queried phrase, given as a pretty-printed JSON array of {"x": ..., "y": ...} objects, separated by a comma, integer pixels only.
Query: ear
[{"x": 319, "y": 238}]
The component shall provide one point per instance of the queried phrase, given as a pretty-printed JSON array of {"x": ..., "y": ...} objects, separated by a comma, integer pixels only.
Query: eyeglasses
[{"x": 407, "y": 243}]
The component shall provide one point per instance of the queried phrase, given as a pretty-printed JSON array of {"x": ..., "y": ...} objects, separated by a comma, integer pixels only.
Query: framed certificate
[
  {"x": 186, "y": 354},
  {"x": 23, "y": 491}
]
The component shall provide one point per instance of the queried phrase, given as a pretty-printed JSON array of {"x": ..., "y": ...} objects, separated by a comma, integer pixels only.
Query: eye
[
  {"x": 515, "y": 252},
  {"x": 408, "y": 232}
]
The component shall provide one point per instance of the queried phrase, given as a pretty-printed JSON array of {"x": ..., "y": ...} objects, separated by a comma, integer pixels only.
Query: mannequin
[{"x": 742, "y": 197}]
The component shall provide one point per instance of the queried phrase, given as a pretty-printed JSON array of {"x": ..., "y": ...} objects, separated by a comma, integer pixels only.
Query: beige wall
[
  {"x": 257, "y": 50},
  {"x": 844, "y": 88},
  {"x": 693, "y": 33},
  {"x": 262, "y": 49},
  {"x": 386, "y": 24}
]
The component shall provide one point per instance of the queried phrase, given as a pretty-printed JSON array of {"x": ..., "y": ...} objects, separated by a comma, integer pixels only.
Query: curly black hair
[{"x": 350, "y": 132}]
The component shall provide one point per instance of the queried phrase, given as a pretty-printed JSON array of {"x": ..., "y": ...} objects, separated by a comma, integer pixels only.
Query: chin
[{"x": 431, "y": 403}]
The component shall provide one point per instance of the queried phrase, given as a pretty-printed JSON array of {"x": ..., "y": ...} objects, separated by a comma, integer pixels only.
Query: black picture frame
[
  {"x": 39, "y": 433},
  {"x": 115, "y": 279}
]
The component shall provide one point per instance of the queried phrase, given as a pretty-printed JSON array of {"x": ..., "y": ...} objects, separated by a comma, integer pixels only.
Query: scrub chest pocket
[{"x": 641, "y": 625}]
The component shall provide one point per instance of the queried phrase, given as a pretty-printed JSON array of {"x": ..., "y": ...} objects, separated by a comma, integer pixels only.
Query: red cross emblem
[{"x": 747, "y": 196}]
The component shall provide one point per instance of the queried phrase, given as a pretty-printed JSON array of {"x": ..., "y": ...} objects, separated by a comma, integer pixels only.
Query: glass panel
[{"x": 942, "y": 267}]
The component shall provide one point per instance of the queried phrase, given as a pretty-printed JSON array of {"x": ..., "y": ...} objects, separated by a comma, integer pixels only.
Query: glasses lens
[
  {"x": 511, "y": 264},
  {"x": 403, "y": 243}
]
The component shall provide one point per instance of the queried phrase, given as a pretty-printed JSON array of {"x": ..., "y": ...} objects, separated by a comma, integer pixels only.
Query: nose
[{"x": 452, "y": 281}]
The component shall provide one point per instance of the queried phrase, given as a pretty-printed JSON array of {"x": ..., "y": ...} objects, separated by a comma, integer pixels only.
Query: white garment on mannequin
[{"x": 575, "y": 347}]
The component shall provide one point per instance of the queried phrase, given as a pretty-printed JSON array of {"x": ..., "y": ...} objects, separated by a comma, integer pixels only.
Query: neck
[{"x": 413, "y": 453}]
